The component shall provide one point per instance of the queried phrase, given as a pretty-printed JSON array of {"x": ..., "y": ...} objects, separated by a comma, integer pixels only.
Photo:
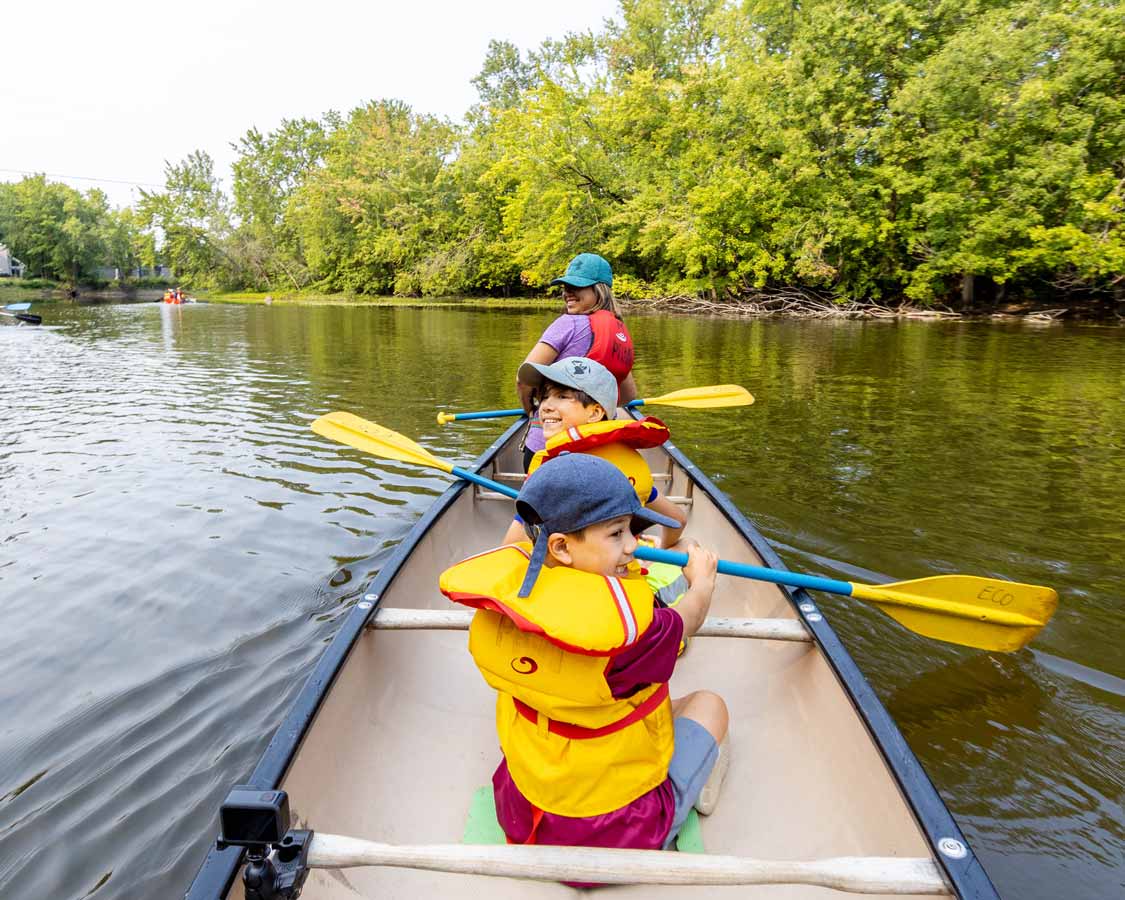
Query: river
[{"x": 176, "y": 548}]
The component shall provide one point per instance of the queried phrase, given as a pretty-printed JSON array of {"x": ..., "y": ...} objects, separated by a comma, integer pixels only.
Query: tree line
[{"x": 868, "y": 151}]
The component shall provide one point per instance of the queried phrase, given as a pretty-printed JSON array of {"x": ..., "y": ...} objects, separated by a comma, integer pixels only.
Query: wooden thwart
[
  {"x": 458, "y": 620},
  {"x": 859, "y": 875}
]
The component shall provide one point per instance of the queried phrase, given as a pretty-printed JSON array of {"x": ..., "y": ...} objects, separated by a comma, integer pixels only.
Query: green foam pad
[
  {"x": 690, "y": 838},
  {"x": 481, "y": 826}
]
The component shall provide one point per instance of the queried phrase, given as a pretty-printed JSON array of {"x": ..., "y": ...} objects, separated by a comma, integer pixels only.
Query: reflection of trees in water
[{"x": 1027, "y": 760}]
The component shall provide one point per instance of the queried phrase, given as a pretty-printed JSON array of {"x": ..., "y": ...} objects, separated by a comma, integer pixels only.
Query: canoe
[{"x": 394, "y": 733}]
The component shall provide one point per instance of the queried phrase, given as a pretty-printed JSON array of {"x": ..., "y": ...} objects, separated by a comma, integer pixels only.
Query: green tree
[
  {"x": 55, "y": 230},
  {"x": 190, "y": 220},
  {"x": 269, "y": 170}
]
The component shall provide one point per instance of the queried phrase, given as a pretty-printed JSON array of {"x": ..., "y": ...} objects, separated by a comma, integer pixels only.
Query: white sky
[{"x": 111, "y": 90}]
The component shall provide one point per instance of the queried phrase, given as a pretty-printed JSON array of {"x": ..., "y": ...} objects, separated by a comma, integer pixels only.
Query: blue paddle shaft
[
  {"x": 488, "y": 414},
  {"x": 651, "y": 554},
  {"x": 758, "y": 573},
  {"x": 485, "y": 482},
  {"x": 498, "y": 413}
]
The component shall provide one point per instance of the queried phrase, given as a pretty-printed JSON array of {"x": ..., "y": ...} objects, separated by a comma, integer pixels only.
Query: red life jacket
[{"x": 612, "y": 345}]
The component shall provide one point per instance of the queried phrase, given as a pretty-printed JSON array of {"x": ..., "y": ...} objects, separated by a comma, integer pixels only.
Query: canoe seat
[{"x": 481, "y": 826}]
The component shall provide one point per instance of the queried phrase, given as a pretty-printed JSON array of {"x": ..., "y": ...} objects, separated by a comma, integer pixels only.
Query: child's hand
[{"x": 701, "y": 567}]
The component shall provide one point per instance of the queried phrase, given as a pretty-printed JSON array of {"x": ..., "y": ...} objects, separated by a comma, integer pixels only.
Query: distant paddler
[{"x": 591, "y": 327}]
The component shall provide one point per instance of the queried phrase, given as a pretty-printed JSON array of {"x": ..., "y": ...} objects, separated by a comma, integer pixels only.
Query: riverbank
[
  {"x": 779, "y": 305},
  {"x": 245, "y": 298},
  {"x": 783, "y": 304},
  {"x": 49, "y": 291}
]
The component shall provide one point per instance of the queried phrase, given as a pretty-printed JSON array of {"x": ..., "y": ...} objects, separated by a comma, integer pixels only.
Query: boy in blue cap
[{"x": 566, "y": 631}]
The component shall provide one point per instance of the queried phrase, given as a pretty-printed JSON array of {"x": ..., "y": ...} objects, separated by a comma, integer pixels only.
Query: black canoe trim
[
  {"x": 215, "y": 876},
  {"x": 967, "y": 875}
]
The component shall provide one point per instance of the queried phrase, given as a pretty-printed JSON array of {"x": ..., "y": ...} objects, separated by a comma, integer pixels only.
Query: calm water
[{"x": 176, "y": 548}]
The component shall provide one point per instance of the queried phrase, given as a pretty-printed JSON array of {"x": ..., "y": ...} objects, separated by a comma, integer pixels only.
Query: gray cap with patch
[{"x": 579, "y": 373}]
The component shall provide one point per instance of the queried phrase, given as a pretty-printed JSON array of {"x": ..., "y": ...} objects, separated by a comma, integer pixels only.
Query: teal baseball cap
[{"x": 586, "y": 269}]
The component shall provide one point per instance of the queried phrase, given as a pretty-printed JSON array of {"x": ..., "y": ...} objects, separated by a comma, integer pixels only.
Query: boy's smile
[
  {"x": 605, "y": 548},
  {"x": 559, "y": 409}
]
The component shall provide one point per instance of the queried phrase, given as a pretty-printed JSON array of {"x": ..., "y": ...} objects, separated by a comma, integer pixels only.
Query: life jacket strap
[
  {"x": 532, "y": 836},
  {"x": 580, "y": 733}
]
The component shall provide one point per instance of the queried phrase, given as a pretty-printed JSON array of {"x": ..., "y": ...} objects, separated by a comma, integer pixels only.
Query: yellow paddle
[
  {"x": 987, "y": 613},
  {"x": 713, "y": 396}
]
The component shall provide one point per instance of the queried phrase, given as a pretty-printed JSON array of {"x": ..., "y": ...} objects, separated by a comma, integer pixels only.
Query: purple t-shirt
[
  {"x": 569, "y": 336},
  {"x": 640, "y": 825}
]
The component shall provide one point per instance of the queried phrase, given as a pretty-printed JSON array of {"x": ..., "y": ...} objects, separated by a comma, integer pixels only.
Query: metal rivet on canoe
[
  {"x": 808, "y": 607},
  {"x": 813, "y": 617},
  {"x": 365, "y": 605},
  {"x": 952, "y": 848},
  {"x": 371, "y": 597}
]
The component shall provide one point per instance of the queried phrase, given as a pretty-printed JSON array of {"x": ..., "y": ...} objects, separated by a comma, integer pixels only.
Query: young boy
[
  {"x": 577, "y": 409},
  {"x": 566, "y": 631}
]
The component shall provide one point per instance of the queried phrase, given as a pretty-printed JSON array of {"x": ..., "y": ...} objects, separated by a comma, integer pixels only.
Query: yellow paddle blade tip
[
  {"x": 986, "y": 613},
  {"x": 713, "y": 396},
  {"x": 444, "y": 418},
  {"x": 373, "y": 438}
]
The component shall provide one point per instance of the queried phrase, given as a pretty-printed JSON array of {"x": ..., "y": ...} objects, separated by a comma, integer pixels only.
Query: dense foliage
[
  {"x": 868, "y": 151},
  {"x": 59, "y": 233}
]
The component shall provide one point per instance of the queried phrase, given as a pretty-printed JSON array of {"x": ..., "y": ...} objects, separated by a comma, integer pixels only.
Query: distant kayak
[{"x": 176, "y": 297}]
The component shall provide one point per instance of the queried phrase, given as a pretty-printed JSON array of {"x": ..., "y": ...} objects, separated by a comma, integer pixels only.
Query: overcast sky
[{"x": 111, "y": 90}]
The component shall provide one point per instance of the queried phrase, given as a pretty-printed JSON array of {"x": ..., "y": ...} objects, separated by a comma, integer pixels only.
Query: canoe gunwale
[
  {"x": 965, "y": 874},
  {"x": 216, "y": 875}
]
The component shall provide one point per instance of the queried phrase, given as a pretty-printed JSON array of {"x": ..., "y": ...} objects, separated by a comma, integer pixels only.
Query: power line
[{"x": 84, "y": 178}]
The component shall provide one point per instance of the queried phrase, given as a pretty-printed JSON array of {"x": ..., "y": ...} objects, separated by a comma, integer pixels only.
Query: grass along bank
[{"x": 250, "y": 298}]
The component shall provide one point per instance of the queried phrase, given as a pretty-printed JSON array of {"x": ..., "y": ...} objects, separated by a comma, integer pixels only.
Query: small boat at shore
[{"x": 393, "y": 734}]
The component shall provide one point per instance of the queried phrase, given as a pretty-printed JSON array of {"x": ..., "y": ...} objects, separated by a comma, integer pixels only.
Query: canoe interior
[{"x": 406, "y": 733}]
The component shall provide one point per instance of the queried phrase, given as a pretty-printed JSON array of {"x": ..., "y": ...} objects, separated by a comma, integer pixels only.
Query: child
[
  {"x": 566, "y": 631},
  {"x": 578, "y": 408}
]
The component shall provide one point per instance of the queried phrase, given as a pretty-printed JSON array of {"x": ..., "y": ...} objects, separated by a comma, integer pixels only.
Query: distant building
[
  {"x": 110, "y": 273},
  {"x": 10, "y": 267}
]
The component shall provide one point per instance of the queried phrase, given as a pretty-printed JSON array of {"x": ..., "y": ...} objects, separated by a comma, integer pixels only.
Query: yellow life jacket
[
  {"x": 614, "y": 440},
  {"x": 560, "y": 727}
]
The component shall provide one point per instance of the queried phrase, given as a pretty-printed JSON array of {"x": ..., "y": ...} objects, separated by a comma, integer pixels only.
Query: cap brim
[
  {"x": 575, "y": 281},
  {"x": 530, "y": 374},
  {"x": 648, "y": 517}
]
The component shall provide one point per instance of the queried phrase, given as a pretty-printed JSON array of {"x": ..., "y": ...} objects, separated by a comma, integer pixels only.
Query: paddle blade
[
  {"x": 986, "y": 613},
  {"x": 18, "y": 307},
  {"x": 30, "y": 318},
  {"x": 710, "y": 397},
  {"x": 376, "y": 440}
]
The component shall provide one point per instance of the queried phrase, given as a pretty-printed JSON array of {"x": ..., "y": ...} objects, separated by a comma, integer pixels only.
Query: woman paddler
[{"x": 590, "y": 327}]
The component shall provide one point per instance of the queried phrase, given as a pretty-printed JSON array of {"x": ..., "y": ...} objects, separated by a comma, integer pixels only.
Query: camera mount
[{"x": 276, "y": 855}]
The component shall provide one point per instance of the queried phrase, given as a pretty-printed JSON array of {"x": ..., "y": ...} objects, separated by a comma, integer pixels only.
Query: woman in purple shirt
[{"x": 580, "y": 331}]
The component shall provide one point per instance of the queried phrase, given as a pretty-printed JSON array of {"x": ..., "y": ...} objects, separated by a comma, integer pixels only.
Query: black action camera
[
  {"x": 277, "y": 856},
  {"x": 251, "y": 817}
]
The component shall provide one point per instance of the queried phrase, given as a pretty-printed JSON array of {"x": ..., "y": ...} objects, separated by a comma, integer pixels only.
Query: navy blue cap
[
  {"x": 586, "y": 269},
  {"x": 570, "y": 492}
]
